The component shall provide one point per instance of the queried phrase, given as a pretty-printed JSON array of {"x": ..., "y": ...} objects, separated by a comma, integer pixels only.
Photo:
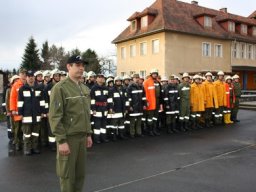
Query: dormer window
[
  {"x": 231, "y": 26},
  {"x": 243, "y": 29},
  {"x": 144, "y": 21},
  {"x": 207, "y": 21},
  {"x": 254, "y": 31},
  {"x": 133, "y": 25}
]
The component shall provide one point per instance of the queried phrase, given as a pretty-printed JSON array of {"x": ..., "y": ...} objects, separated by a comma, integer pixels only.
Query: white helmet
[
  {"x": 46, "y": 73},
  {"x": 118, "y": 78},
  {"x": 38, "y": 73},
  {"x": 54, "y": 72},
  {"x": 109, "y": 80},
  {"x": 164, "y": 78},
  {"x": 84, "y": 74},
  {"x": 63, "y": 73},
  {"x": 208, "y": 74},
  {"x": 153, "y": 71},
  {"x": 91, "y": 74},
  {"x": 185, "y": 75},
  {"x": 110, "y": 76},
  {"x": 235, "y": 77},
  {"x": 228, "y": 77},
  {"x": 220, "y": 73},
  {"x": 126, "y": 77},
  {"x": 196, "y": 77},
  {"x": 13, "y": 78}
]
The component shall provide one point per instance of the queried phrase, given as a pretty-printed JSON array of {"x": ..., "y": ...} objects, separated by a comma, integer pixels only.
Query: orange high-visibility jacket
[
  {"x": 149, "y": 87},
  {"x": 14, "y": 99},
  {"x": 221, "y": 93},
  {"x": 229, "y": 89},
  {"x": 210, "y": 95},
  {"x": 197, "y": 97}
]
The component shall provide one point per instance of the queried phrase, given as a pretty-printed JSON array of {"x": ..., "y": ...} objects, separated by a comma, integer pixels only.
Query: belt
[{"x": 103, "y": 104}]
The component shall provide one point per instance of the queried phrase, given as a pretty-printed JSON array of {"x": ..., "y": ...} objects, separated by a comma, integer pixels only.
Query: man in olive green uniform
[
  {"x": 69, "y": 117},
  {"x": 184, "y": 94},
  {"x": 238, "y": 93}
]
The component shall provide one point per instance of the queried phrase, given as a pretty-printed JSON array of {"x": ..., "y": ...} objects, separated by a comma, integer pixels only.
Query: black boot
[
  {"x": 104, "y": 138},
  {"x": 155, "y": 131},
  {"x": 169, "y": 129},
  {"x": 174, "y": 128},
  {"x": 150, "y": 130},
  {"x": 182, "y": 126},
  {"x": 96, "y": 139},
  {"x": 186, "y": 126},
  {"x": 122, "y": 134}
]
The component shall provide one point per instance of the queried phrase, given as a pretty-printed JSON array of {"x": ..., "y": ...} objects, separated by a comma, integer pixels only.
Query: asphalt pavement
[{"x": 219, "y": 159}]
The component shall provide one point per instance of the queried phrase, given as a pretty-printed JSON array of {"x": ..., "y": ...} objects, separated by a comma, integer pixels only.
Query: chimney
[
  {"x": 194, "y": 2},
  {"x": 224, "y": 10}
]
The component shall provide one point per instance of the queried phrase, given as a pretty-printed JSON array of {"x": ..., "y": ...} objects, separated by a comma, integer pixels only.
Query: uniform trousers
[{"x": 71, "y": 169}]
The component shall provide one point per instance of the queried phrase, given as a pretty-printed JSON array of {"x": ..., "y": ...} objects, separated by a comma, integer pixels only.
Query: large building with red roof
[{"x": 174, "y": 37}]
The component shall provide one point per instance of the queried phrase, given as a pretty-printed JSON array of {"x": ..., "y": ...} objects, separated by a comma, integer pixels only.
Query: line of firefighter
[{"x": 122, "y": 107}]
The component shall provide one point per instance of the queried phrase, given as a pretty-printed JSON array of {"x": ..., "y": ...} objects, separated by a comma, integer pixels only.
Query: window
[
  {"x": 123, "y": 52},
  {"x": 132, "y": 72},
  {"x": 155, "y": 46},
  {"x": 250, "y": 52},
  {"x": 235, "y": 50},
  {"x": 207, "y": 21},
  {"x": 143, "y": 48},
  {"x": 231, "y": 26},
  {"x": 132, "y": 50},
  {"x": 144, "y": 21},
  {"x": 243, "y": 29},
  {"x": 218, "y": 50},
  {"x": 133, "y": 25},
  {"x": 143, "y": 73},
  {"x": 123, "y": 74},
  {"x": 243, "y": 51},
  {"x": 254, "y": 31},
  {"x": 206, "y": 48}
]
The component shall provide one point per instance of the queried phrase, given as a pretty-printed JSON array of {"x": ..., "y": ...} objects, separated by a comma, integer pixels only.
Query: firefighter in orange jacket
[
  {"x": 153, "y": 93},
  {"x": 221, "y": 96},
  {"x": 211, "y": 99},
  {"x": 230, "y": 98},
  {"x": 197, "y": 101},
  {"x": 14, "y": 109}
]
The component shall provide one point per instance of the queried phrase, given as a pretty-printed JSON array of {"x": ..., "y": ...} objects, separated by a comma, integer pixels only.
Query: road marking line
[{"x": 176, "y": 169}]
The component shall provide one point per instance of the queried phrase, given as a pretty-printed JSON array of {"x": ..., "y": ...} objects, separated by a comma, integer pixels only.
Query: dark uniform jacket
[
  {"x": 47, "y": 93},
  {"x": 118, "y": 101},
  {"x": 136, "y": 99},
  {"x": 31, "y": 103},
  {"x": 171, "y": 102},
  {"x": 100, "y": 100}
]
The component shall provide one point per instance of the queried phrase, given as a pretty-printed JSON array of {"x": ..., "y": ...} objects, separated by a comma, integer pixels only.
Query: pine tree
[
  {"x": 45, "y": 55},
  {"x": 30, "y": 59},
  {"x": 92, "y": 58}
]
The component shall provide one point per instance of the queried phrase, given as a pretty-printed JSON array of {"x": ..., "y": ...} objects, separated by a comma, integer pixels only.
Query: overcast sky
[{"x": 78, "y": 24}]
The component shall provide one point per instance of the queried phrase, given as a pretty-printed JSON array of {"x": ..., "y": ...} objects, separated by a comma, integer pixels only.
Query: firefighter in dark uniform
[
  {"x": 69, "y": 117},
  {"x": 100, "y": 106},
  {"x": 171, "y": 105},
  {"x": 118, "y": 109},
  {"x": 31, "y": 105},
  {"x": 184, "y": 94},
  {"x": 39, "y": 81},
  {"x": 91, "y": 79},
  {"x": 136, "y": 104},
  {"x": 238, "y": 93},
  {"x": 109, "y": 125},
  {"x": 126, "y": 82},
  {"x": 55, "y": 78}
]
